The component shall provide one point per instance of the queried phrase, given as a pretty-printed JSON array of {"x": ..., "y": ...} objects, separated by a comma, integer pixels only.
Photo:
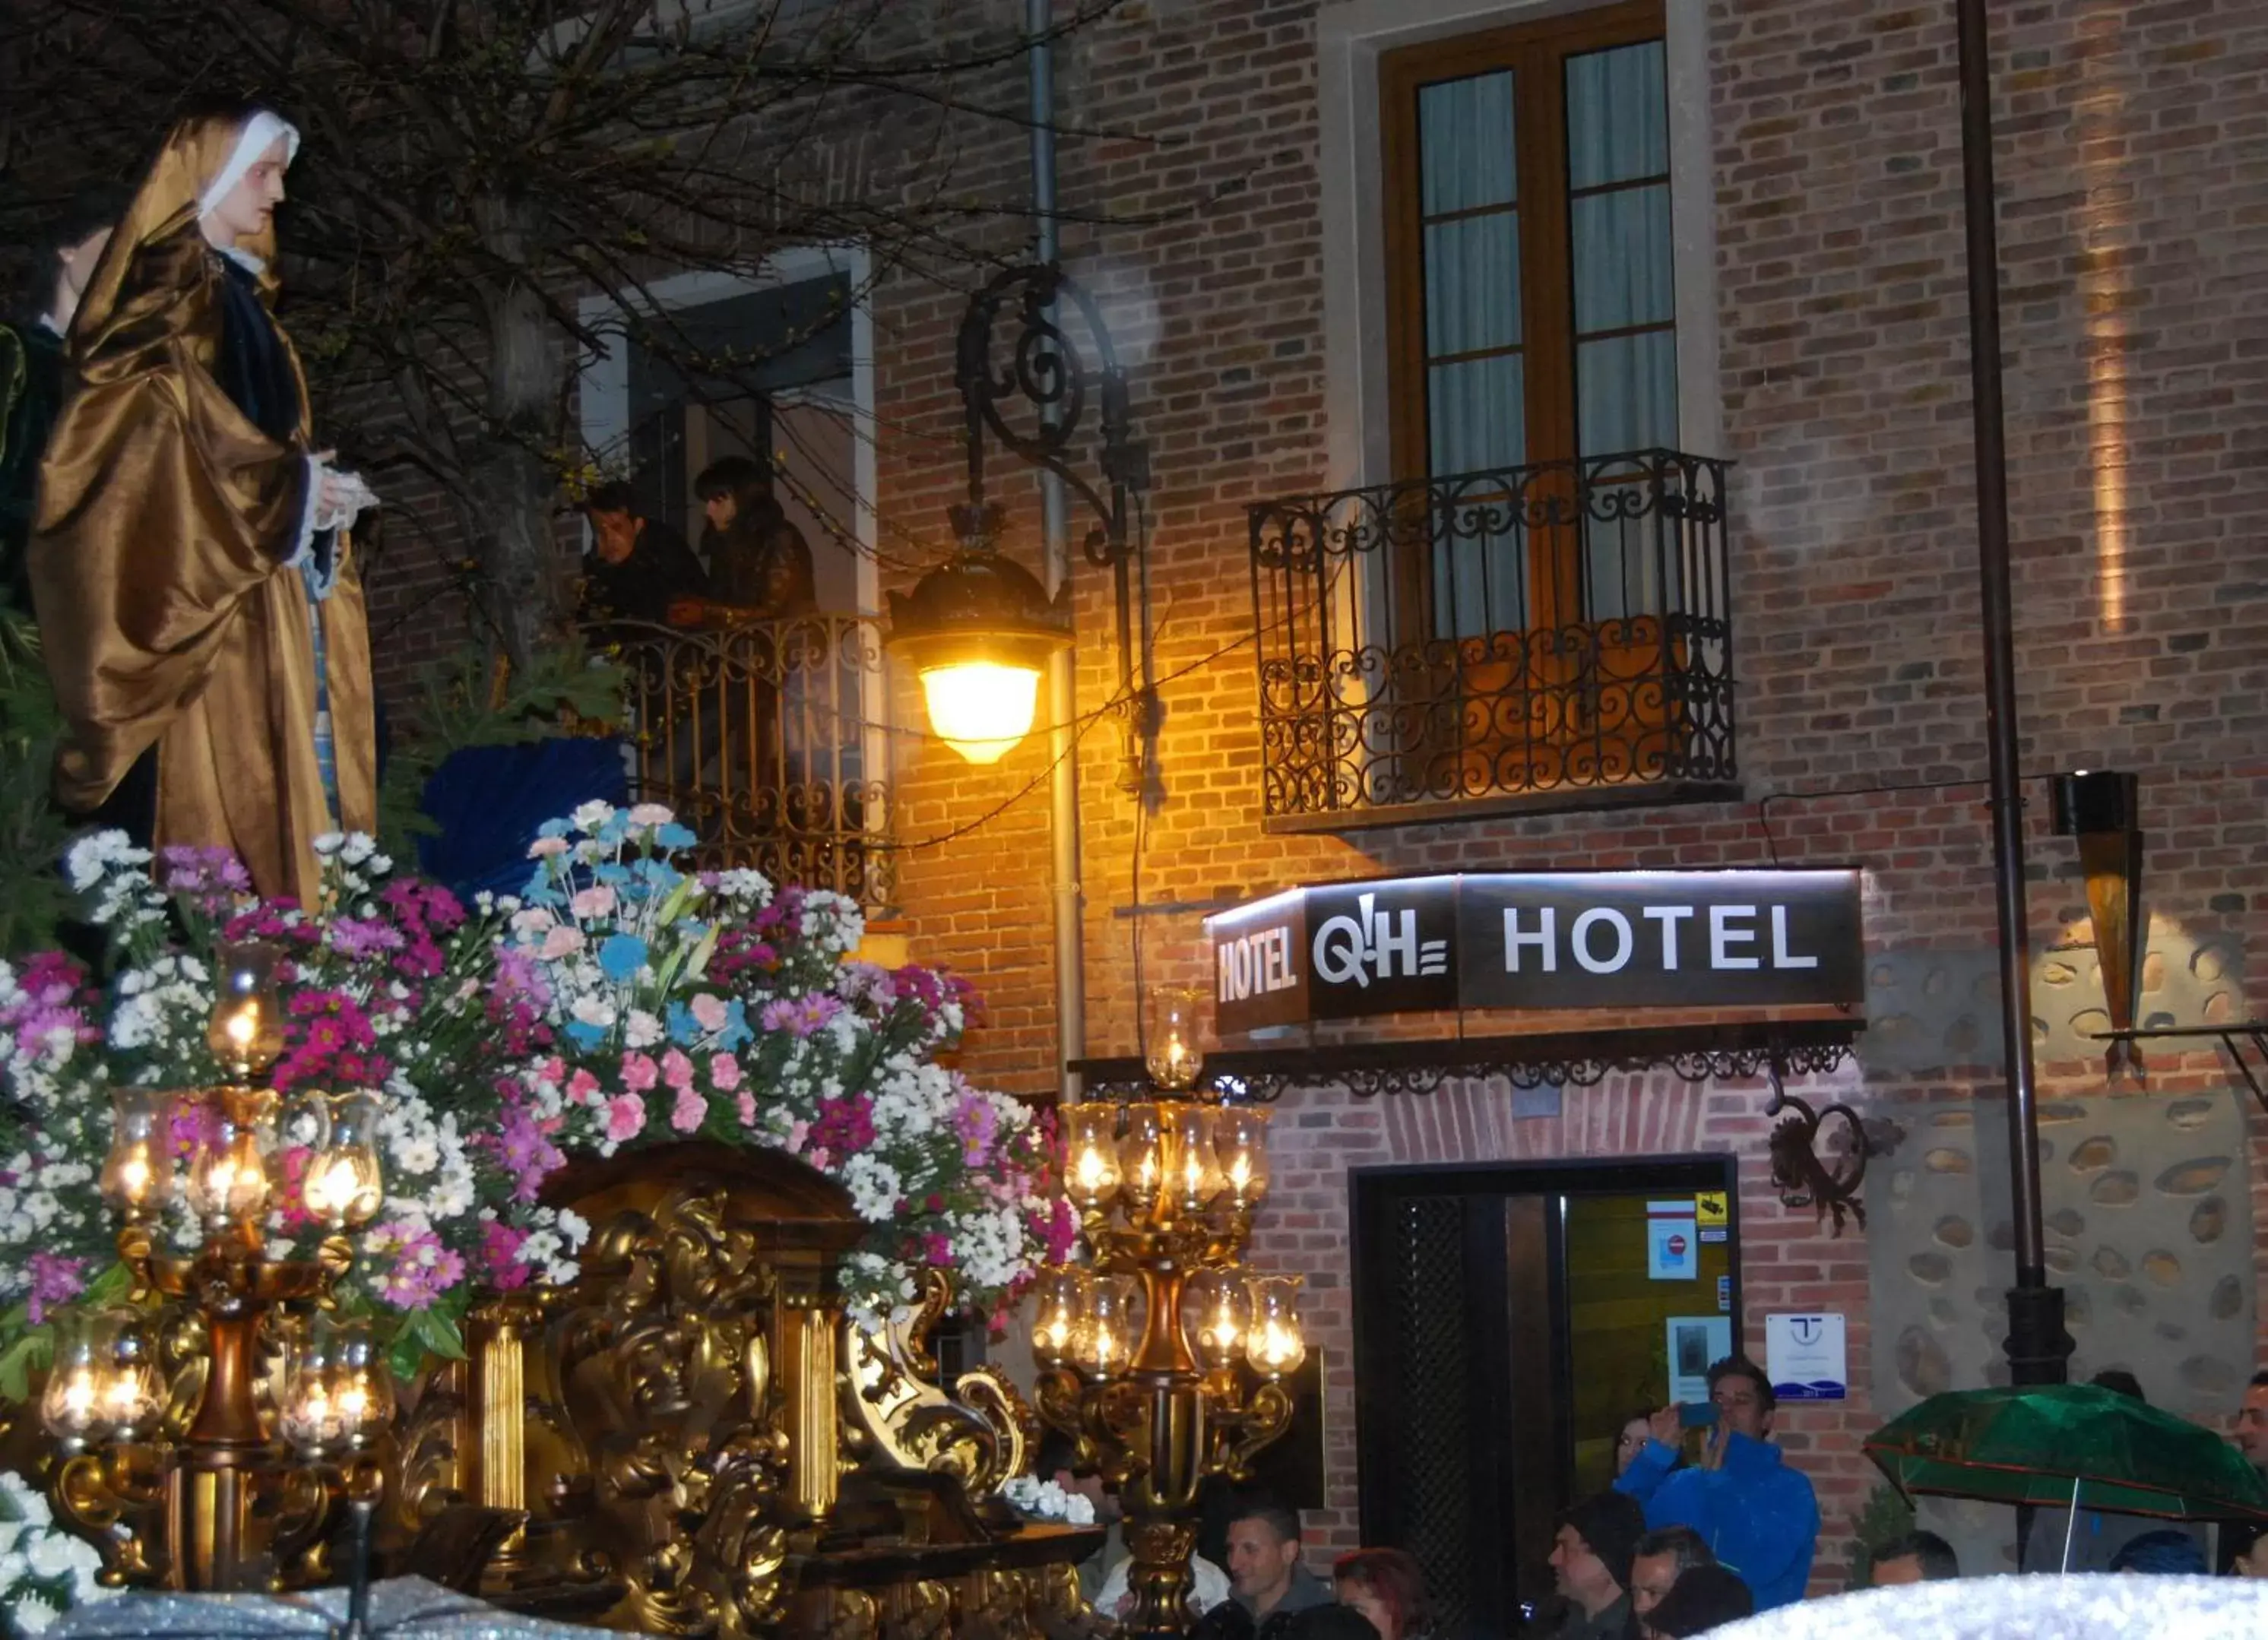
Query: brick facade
[{"x": 2134, "y": 166}]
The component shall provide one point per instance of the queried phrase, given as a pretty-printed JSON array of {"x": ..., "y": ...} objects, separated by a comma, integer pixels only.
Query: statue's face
[{"x": 248, "y": 209}]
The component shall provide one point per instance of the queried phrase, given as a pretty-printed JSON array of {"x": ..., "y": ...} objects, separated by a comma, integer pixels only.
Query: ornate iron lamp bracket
[{"x": 1065, "y": 392}]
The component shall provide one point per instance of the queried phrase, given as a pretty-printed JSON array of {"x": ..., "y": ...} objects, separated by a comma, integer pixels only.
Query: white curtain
[
  {"x": 1625, "y": 385},
  {"x": 1475, "y": 408}
]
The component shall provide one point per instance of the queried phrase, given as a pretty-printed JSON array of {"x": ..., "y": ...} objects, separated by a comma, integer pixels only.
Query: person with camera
[{"x": 1758, "y": 1516}]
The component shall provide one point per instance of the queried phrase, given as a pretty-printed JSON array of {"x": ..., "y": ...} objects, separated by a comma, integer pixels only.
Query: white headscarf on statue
[{"x": 258, "y": 135}]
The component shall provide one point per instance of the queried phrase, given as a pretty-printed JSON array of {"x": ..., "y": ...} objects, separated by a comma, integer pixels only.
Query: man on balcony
[{"x": 638, "y": 569}]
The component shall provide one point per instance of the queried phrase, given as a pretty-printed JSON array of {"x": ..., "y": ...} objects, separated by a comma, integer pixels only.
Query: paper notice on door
[
  {"x": 1695, "y": 1343},
  {"x": 1672, "y": 1241}
]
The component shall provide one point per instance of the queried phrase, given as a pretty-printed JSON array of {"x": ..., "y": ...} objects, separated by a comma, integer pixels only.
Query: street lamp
[{"x": 978, "y": 631}]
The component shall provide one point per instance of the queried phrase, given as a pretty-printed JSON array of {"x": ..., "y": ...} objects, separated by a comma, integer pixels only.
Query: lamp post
[
  {"x": 223, "y": 1494},
  {"x": 1164, "y": 1356},
  {"x": 978, "y": 631}
]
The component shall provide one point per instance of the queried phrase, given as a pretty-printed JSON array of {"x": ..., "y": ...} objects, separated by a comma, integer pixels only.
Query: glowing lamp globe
[
  {"x": 981, "y": 707},
  {"x": 978, "y": 631}
]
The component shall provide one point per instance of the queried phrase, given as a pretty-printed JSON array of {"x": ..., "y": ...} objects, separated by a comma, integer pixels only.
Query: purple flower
[
  {"x": 54, "y": 1280},
  {"x": 977, "y": 1123},
  {"x": 357, "y": 937},
  {"x": 799, "y": 1016}
]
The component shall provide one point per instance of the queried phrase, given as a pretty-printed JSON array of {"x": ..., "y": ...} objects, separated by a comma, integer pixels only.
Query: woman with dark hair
[{"x": 1387, "y": 1586}]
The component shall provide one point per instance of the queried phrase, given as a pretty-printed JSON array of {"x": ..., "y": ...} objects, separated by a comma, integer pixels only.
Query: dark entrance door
[{"x": 1506, "y": 1323}]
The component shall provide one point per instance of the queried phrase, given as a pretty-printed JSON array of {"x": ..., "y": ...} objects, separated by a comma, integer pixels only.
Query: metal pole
[
  {"x": 2037, "y": 1346},
  {"x": 1055, "y": 532}
]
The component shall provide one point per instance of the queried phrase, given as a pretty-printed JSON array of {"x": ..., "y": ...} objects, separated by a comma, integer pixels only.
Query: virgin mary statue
[{"x": 189, "y": 559}]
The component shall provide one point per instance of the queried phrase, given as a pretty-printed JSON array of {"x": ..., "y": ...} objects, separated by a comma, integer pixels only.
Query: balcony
[
  {"x": 766, "y": 739},
  {"x": 1541, "y": 637}
]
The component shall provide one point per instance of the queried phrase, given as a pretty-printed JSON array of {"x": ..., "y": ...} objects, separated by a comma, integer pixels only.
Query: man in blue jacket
[{"x": 1758, "y": 1515}]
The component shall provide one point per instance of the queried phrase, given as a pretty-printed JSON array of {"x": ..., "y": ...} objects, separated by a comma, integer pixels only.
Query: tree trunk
[{"x": 514, "y": 487}]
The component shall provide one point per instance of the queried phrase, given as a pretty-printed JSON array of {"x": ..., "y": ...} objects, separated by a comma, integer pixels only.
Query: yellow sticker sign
[{"x": 1711, "y": 1211}]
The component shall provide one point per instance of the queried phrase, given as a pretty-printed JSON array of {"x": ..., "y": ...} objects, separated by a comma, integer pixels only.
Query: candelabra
[
  {"x": 1163, "y": 1356},
  {"x": 211, "y": 1429}
]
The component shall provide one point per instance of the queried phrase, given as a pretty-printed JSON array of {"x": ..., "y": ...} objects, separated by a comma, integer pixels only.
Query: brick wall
[
  {"x": 2134, "y": 207},
  {"x": 2134, "y": 218}
]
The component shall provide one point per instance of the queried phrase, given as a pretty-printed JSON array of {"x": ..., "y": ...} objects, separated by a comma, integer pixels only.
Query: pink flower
[
  {"x": 650, "y": 814},
  {"x": 798, "y": 1133},
  {"x": 544, "y": 847},
  {"x": 747, "y": 1104},
  {"x": 677, "y": 1071},
  {"x": 625, "y": 1117},
  {"x": 638, "y": 1072},
  {"x": 710, "y": 1012},
  {"x": 535, "y": 920},
  {"x": 723, "y": 1073},
  {"x": 561, "y": 941},
  {"x": 594, "y": 901},
  {"x": 584, "y": 1088},
  {"x": 689, "y": 1110}
]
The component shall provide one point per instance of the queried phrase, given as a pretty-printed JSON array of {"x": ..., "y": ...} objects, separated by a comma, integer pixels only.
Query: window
[{"x": 1531, "y": 293}]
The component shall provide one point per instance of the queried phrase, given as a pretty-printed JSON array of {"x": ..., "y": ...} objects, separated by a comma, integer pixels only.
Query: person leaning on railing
[{"x": 638, "y": 569}]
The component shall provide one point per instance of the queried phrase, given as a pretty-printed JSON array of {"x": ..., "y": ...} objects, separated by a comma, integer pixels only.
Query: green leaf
[
  {"x": 425, "y": 1332},
  {"x": 32, "y": 1353}
]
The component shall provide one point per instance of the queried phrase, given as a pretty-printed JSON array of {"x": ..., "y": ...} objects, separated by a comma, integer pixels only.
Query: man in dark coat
[
  {"x": 1273, "y": 1595},
  {"x": 638, "y": 569},
  {"x": 32, "y": 373}
]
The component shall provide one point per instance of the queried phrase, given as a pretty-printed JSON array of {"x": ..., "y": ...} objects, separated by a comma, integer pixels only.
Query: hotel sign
[{"x": 1540, "y": 939}]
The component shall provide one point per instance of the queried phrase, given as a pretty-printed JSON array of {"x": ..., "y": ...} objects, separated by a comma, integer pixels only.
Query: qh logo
[{"x": 1376, "y": 945}]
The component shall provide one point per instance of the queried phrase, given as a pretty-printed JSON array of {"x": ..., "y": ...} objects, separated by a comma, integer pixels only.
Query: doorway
[{"x": 1509, "y": 1319}]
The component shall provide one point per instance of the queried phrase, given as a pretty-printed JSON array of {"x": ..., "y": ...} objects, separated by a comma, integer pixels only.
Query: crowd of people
[{"x": 1674, "y": 1548}]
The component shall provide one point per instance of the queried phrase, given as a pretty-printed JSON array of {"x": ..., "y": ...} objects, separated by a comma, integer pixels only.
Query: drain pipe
[{"x": 1055, "y": 535}]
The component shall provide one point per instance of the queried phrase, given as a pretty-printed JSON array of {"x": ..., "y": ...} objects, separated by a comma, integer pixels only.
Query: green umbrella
[{"x": 2067, "y": 1445}]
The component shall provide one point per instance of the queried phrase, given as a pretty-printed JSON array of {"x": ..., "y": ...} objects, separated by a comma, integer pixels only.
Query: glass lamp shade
[
  {"x": 72, "y": 1405},
  {"x": 1217, "y": 1312},
  {"x": 1241, "y": 1143},
  {"x": 1276, "y": 1344},
  {"x": 1192, "y": 1169},
  {"x": 1058, "y": 1304},
  {"x": 1174, "y": 1029},
  {"x": 228, "y": 1171},
  {"x": 1110, "y": 1326},
  {"x": 359, "y": 1388},
  {"x": 1091, "y": 1155},
  {"x": 981, "y": 707},
  {"x": 1142, "y": 1157},
  {"x": 133, "y": 1392},
  {"x": 345, "y": 1183},
  {"x": 307, "y": 1415},
  {"x": 247, "y": 1032},
  {"x": 137, "y": 1174}
]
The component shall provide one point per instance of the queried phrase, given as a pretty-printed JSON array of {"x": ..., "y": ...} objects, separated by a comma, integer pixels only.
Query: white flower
[
  {"x": 640, "y": 1029},
  {"x": 357, "y": 848},
  {"x": 34, "y": 1616},
  {"x": 49, "y": 1555},
  {"x": 591, "y": 815}
]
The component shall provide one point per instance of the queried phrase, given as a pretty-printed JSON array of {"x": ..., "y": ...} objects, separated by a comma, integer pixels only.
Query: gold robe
[{"x": 159, "y": 557}]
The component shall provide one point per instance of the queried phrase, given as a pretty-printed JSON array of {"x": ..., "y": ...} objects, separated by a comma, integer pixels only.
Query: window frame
[{"x": 1536, "y": 52}]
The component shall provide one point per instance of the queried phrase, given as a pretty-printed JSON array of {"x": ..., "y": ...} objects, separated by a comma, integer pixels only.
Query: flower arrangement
[
  {"x": 44, "y": 1570},
  {"x": 618, "y": 1002},
  {"x": 1047, "y": 1500}
]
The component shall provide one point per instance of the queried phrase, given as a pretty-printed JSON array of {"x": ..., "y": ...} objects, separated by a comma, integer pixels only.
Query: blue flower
[
  {"x": 621, "y": 956},
  {"x": 675, "y": 837},
  {"x": 612, "y": 875},
  {"x": 584, "y": 1034},
  {"x": 554, "y": 829},
  {"x": 683, "y": 1029},
  {"x": 736, "y": 1030}
]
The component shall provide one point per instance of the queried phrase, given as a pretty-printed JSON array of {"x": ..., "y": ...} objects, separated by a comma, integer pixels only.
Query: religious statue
[{"x": 189, "y": 560}]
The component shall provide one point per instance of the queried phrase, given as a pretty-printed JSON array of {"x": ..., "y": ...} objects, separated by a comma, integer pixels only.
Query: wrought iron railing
[
  {"x": 766, "y": 738},
  {"x": 1562, "y": 628}
]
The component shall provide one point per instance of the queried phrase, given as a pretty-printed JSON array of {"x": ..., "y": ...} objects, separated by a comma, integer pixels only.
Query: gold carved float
[{"x": 694, "y": 1440}]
